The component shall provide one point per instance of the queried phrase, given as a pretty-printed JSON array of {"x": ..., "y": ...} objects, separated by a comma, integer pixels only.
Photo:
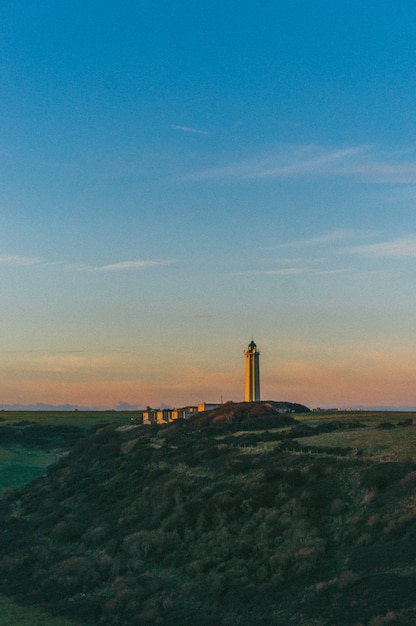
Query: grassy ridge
[
  {"x": 388, "y": 436},
  {"x": 398, "y": 443}
]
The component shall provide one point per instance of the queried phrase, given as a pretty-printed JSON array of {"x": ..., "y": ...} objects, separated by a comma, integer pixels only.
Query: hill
[
  {"x": 247, "y": 415},
  {"x": 187, "y": 525}
]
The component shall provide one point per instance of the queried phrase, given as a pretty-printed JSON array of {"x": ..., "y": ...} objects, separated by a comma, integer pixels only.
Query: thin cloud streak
[
  {"x": 330, "y": 245},
  {"x": 129, "y": 265},
  {"x": 402, "y": 247},
  {"x": 291, "y": 271},
  {"x": 400, "y": 173},
  {"x": 11, "y": 260},
  {"x": 189, "y": 129},
  {"x": 289, "y": 162},
  {"x": 45, "y": 351},
  {"x": 361, "y": 162},
  {"x": 335, "y": 236}
]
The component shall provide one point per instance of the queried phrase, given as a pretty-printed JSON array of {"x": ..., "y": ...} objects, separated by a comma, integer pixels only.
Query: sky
[{"x": 177, "y": 178}]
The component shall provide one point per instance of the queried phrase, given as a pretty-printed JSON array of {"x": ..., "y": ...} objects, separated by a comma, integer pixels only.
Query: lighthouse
[{"x": 252, "y": 373}]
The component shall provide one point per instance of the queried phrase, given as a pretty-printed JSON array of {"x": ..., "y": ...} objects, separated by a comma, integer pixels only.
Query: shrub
[
  {"x": 409, "y": 481},
  {"x": 338, "y": 507},
  {"x": 77, "y": 573},
  {"x": 384, "y": 474},
  {"x": 347, "y": 579},
  {"x": 95, "y": 535},
  {"x": 68, "y": 530},
  {"x": 383, "y": 620},
  {"x": 295, "y": 478}
]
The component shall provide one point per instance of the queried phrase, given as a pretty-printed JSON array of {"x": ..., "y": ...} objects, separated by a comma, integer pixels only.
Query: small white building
[
  {"x": 149, "y": 416},
  {"x": 183, "y": 413},
  {"x": 164, "y": 416},
  {"x": 206, "y": 406}
]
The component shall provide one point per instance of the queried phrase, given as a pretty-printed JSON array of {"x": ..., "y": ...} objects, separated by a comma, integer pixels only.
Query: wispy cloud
[
  {"x": 335, "y": 236},
  {"x": 321, "y": 255},
  {"x": 122, "y": 266},
  {"x": 363, "y": 162},
  {"x": 379, "y": 172},
  {"x": 11, "y": 260},
  {"x": 293, "y": 271},
  {"x": 334, "y": 260},
  {"x": 399, "y": 248},
  {"x": 290, "y": 161},
  {"x": 44, "y": 351},
  {"x": 189, "y": 129}
]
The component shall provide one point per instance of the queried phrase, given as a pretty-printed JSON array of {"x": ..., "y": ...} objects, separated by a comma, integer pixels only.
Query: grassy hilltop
[{"x": 243, "y": 516}]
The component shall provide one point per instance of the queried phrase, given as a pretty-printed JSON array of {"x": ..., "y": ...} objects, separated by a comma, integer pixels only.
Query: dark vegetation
[
  {"x": 39, "y": 436},
  {"x": 216, "y": 523}
]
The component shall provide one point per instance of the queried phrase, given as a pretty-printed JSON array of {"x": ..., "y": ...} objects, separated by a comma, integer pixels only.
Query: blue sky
[{"x": 179, "y": 177}]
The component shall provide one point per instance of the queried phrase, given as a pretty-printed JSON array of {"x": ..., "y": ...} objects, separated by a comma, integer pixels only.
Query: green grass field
[
  {"x": 12, "y": 614},
  {"x": 19, "y": 466},
  {"x": 81, "y": 419}
]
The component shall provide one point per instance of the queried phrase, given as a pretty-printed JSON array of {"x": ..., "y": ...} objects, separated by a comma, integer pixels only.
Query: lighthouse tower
[{"x": 252, "y": 373}]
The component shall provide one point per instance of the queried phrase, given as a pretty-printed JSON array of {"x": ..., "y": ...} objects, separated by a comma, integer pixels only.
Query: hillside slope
[
  {"x": 153, "y": 525},
  {"x": 247, "y": 416}
]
